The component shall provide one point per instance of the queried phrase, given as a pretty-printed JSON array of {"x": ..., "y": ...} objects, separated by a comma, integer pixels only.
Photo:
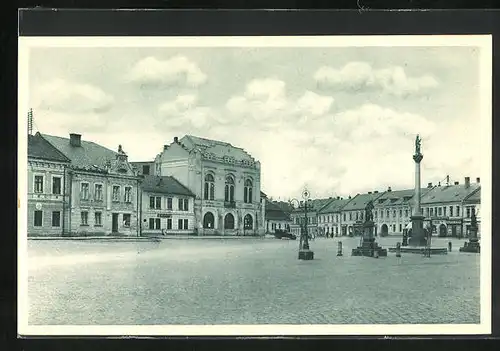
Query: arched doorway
[
  {"x": 384, "y": 230},
  {"x": 208, "y": 220},
  {"x": 248, "y": 222},
  {"x": 229, "y": 221},
  {"x": 442, "y": 230}
]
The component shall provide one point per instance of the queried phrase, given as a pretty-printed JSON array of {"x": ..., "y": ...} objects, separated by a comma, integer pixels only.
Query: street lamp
[{"x": 304, "y": 251}]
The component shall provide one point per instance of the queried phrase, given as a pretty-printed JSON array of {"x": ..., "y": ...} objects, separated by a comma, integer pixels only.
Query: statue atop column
[{"x": 418, "y": 141}]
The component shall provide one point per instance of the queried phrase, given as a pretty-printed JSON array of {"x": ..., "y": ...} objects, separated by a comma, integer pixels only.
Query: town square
[{"x": 199, "y": 186}]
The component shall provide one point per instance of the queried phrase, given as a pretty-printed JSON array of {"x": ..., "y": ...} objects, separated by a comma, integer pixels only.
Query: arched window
[
  {"x": 248, "y": 222},
  {"x": 229, "y": 221},
  {"x": 208, "y": 220},
  {"x": 229, "y": 189},
  {"x": 209, "y": 189},
  {"x": 248, "y": 191}
]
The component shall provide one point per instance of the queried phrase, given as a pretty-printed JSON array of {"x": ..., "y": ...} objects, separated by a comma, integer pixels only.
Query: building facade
[
  {"x": 276, "y": 218},
  {"x": 298, "y": 217},
  {"x": 447, "y": 209},
  {"x": 102, "y": 189},
  {"x": 330, "y": 217},
  {"x": 167, "y": 206},
  {"x": 47, "y": 195},
  {"x": 353, "y": 213},
  {"x": 225, "y": 181}
]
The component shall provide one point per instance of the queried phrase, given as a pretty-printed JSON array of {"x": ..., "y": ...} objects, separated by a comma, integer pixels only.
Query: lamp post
[{"x": 304, "y": 251}]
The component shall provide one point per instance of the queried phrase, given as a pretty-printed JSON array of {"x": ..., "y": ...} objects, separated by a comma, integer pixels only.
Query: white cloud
[
  {"x": 62, "y": 96},
  {"x": 183, "y": 112},
  {"x": 360, "y": 76},
  {"x": 265, "y": 101},
  {"x": 177, "y": 70}
]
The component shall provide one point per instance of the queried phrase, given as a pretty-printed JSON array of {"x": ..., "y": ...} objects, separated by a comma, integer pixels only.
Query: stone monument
[
  {"x": 417, "y": 219},
  {"x": 369, "y": 246},
  {"x": 473, "y": 244}
]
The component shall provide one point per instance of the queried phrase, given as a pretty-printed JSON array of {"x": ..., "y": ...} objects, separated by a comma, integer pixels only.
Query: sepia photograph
[{"x": 315, "y": 185}]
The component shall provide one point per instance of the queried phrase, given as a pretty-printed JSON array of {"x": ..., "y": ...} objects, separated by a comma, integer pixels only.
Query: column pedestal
[
  {"x": 417, "y": 231},
  {"x": 369, "y": 247}
]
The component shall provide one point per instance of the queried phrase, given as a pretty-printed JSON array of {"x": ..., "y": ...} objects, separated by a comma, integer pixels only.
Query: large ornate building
[
  {"x": 224, "y": 179},
  {"x": 101, "y": 186}
]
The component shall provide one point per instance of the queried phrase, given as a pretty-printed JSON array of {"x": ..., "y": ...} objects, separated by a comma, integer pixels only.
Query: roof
[
  {"x": 141, "y": 163},
  {"x": 273, "y": 211},
  {"x": 398, "y": 197},
  {"x": 334, "y": 206},
  {"x": 315, "y": 205},
  {"x": 360, "y": 201},
  {"x": 284, "y": 206},
  {"x": 262, "y": 194},
  {"x": 88, "y": 154},
  {"x": 475, "y": 197},
  {"x": 40, "y": 148},
  {"x": 164, "y": 185},
  {"x": 449, "y": 193},
  {"x": 215, "y": 148}
]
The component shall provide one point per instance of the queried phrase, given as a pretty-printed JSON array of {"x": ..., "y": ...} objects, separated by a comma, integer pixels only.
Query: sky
[{"x": 337, "y": 120}]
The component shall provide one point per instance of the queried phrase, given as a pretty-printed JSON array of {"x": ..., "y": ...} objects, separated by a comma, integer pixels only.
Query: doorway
[{"x": 114, "y": 223}]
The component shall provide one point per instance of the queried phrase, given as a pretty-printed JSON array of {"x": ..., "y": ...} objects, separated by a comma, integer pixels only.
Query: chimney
[
  {"x": 439, "y": 183},
  {"x": 176, "y": 140},
  {"x": 341, "y": 198},
  {"x": 456, "y": 183},
  {"x": 369, "y": 192},
  {"x": 429, "y": 185},
  {"x": 389, "y": 189},
  {"x": 165, "y": 147},
  {"x": 467, "y": 182},
  {"x": 338, "y": 197},
  {"x": 375, "y": 192},
  {"x": 349, "y": 196},
  {"x": 478, "y": 180},
  {"x": 75, "y": 139}
]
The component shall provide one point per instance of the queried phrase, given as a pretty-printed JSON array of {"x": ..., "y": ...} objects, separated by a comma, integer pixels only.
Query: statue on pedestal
[
  {"x": 369, "y": 212},
  {"x": 417, "y": 145}
]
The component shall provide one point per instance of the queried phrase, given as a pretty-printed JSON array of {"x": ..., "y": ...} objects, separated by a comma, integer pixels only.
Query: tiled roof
[
  {"x": 475, "y": 197},
  {"x": 315, "y": 205},
  {"x": 39, "y": 148},
  {"x": 398, "y": 197},
  {"x": 334, "y": 206},
  {"x": 217, "y": 148},
  {"x": 284, "y": 206},
  {"x": 89, "y": 154},
  {"x": 360, "y": 201},
  {"x": 273, "y": 211},
  {"x": 164, "y": 185},
  {"x": 262, "y": 194},
  {"x": 450, "y": 193}
]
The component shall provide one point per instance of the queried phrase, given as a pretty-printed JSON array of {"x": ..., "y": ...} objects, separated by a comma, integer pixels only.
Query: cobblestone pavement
[{"x": 256, "y": 281}]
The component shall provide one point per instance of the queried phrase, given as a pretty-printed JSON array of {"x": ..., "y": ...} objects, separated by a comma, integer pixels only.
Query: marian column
[{"x": 417, "y": 220}]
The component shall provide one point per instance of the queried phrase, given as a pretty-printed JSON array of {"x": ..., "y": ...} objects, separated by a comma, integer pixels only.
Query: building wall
[
  {"x": 191, "y": 169},
  {"x": 298, "y": 218},
  {"x": 330, "y": 223},
  {"x": 47, "y": 202},
  {"x": 273, "y": 224},
  {"x": 163, "y": 214},
  {"x": 106, "y": 207},
  {"x": 395, "y": 217}
]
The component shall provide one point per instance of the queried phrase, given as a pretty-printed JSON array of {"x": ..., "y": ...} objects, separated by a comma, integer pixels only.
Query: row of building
[
  {"x": 446, "y": 208},
  {"x": 204, "y": 187}
]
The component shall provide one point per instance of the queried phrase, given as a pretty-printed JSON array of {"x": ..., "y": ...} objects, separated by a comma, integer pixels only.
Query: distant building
[
  {"x": 47, "y": 197},
  {"x": 449, "y": 207},
  {"x": 276, "y": 217},
  {"x": 298, "y": 217},
  {"x": 353, "y": 213},
  {"x": 102, "y": 188},
  {"x": 330, "y": 217},
  {"x": 143, "y": 168},
  {"x": 224, "y": 179},
  {"x": 167, "y": 206},
  {"x": 473, "y": 203},
  {"x": 393, "y": 209}
]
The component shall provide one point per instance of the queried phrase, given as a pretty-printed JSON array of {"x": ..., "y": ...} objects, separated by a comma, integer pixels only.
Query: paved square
[{"x": 252, "y": 281}]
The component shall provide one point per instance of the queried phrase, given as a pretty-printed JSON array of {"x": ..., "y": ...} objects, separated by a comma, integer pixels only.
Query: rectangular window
[
  {"x": 432, "y": 212},
  {"x": 157, "y": 223},
  {"x": 98, "y": 192},
  {"x": 186, "y": 204},
  {"x": 38, "y": 218},
  {"x": 158, "y": 202},
  {"x": 38, "y": 184},
  {"x": 145, "y": 169},
  {"x": 152, "y": 223},
  {"x": 444, "y": 211},
  {"x": 56, "y": 185},
  {"x": 181, "y": 204},
  {"x": 344, "y": 216},
  {"x": 350, "y": 216},
  {"x": 127, "y": 197},
  {"x": 439, "y": 211},
  {"x": 457, "y": 213},
  {"x": 169, "y": 223},
  {"x": 169, "y": 203},
  {"x": 84, "y": 191},
  {"x": 126, "y": 219},
  {"x": 116, "y": 193},
  {"x": 84, "y": 215},
  {"x": 467, "y": 212},
  {"x": 98, "y": 219},
  {"x": 400, "y": 228},
  {"x": 56, "y": 219},
  {"x": 185, "y": 224},
  {"x": 451, "y": 211},
  {"x": 427, "y": 212},
  {"x": 381, "y": 214},
  {"x": 400, "y": 213},
  {"x": 406, "y": 213},
  {"x": 179, "y": 225}
]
